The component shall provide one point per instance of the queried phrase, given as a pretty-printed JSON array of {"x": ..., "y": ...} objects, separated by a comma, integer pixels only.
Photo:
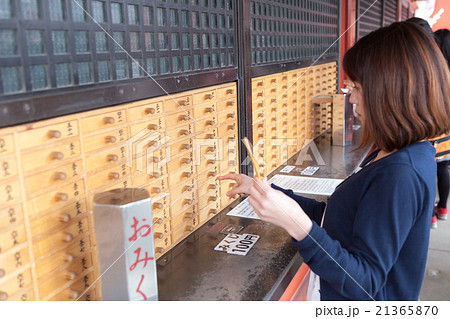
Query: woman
[{"x": 374, "y": 240}]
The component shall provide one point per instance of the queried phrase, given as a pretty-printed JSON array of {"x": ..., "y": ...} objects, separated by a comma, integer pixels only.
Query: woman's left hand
[{"x": 279, "y": 209}]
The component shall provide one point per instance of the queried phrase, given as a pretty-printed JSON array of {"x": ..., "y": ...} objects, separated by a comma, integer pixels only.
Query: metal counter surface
[{"x": 193, "y": 270}]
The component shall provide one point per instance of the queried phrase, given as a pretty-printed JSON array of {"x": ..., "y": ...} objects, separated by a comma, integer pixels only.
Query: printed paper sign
[
  {"x": 310, "y": 170},
  {"x": 287, "y": 169},
  {"x": 237, "y": 244}
]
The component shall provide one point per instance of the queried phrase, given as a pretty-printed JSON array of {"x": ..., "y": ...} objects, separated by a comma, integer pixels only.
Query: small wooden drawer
[
  {"x": 207, "y": 162},
  {"x": 145, "y": 176},
  {"x": 13, "y": 260},
  {"x": 108, "y": 176},
  {"x": 282, "y": 78},
  {"x": 163, "y": 239},
  {"x": 63, "y": 237},
  {"x": 185, "y": 189},
  {"x": 177, "y": 103},
  {"x": 258, "y": 94},
  {"x": 208, "y": 175},
  {"x": 183, "y": 230},
  {"x": 230, "y": 166},
  {"x": 62, "y": 258},
  {"x": 182, "y": 203},
  {"x": 56, "y": 198},
  {"x": 227, "y": 128},
  {"x": 53, "y": 280},
  {"x": 184, "y": 160},
  {"x": 205, "y": 110},
  {"x": 26, "y": 294},
  {"x": 226, "y": 92},
  {"x": 225, "y": 201},
  {"x": 272, "y": 91},
  {"x": 59, "y": 218},
  {"x": 209, "y": 211},
  {"x": 227, "y": 104},
  {"x": 8, "y": 166},
  {"x": 10, "y": 191},
  {"x": 145, "y": 111},
  {"x": 9, "y": 286},
  {"x": 7, "y": 144},
  {"x": 210, "y": 185},
  {"x": 50, "y": 156},
  {"x": 181, "y": 132},
  {"x": 11, "y": 216},
  {"x": 204, "y": 97},
  {"x": 55, "y": 132},
  {"x": 158, "y": 187},
  {"x": 181, "y": 175},
  {"x": 147, "y": 128},
  {"x": 205, "y": 123},
  {"x": 228, "y": 115},
  {"x": 186, "y": 217},
  {"x": 210, "y": 134},
  {"x": 106, "y": 139},
  {"x": 258, "y": 83},
  {"x": 180, "y": 146},
  {"x": 106, "y": 158},
  {"x": 258, "y": 106},
  {"x": 180, "y": 118},
  {"x": 213, "y": 196},
  {"x": 77, "y": 290},
  {"x": 103, "y": 121},
  {"x": 54, "y": 177}
]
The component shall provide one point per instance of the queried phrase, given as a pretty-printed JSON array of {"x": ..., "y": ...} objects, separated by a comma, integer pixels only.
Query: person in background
[
  {"x": 442, "y": 38},
  {"x": 374, "y": 240}
]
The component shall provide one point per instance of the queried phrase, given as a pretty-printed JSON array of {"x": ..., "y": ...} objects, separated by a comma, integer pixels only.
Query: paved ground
[{"x": 436, "y": 285}]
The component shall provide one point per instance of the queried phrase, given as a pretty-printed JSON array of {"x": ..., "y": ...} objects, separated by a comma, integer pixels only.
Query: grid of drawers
[
  {"x": 173, "y": 146},
  {"x": 284, "y": 115}
]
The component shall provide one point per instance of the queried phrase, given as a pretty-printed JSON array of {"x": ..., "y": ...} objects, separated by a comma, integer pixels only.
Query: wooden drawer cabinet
[{"x": 37, "y": 136}]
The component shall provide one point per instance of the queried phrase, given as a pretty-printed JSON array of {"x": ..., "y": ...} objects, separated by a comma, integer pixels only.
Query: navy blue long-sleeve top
[{"x": 375, "y": 235}]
